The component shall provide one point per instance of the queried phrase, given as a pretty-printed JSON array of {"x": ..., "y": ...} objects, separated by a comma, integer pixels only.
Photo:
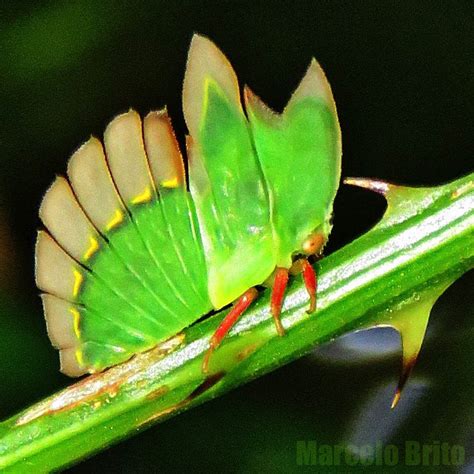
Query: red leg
[
  {"x": 310, "y": 281},
  {"x": 234, "y": 314},
  {"x": 278, "y": 293}
]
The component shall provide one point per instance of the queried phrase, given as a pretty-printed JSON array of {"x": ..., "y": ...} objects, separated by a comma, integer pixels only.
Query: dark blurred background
[{"x": 402, "y": 77}]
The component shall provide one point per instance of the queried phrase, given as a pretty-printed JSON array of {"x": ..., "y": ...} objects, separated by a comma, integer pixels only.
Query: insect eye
[{"x": 313, "y": 244}]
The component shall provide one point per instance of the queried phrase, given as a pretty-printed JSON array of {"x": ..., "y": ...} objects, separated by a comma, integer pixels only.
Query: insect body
[{"x": 133, "y": 254}]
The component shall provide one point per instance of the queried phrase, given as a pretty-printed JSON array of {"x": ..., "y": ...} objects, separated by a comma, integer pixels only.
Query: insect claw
[
  {"x": 312, "y": 304},
  {"x": 205, "y": 362},
  {"x": 279, "y": 327}
]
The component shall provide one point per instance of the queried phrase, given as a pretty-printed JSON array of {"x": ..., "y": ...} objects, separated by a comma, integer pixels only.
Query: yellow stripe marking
[
  {"x": 93, "y": 247},
  {"x": 80, "y": 359},
  {"x": 208, "y": 83},
  {"x": 171, "y": 183},
  {"x": 78, "y": 278},
  {"x": 145, "y": 196},
  {"x": 116, "y": 220},
  {"x": 77, "y": 317},
  {"x": 205, "y": 98}
]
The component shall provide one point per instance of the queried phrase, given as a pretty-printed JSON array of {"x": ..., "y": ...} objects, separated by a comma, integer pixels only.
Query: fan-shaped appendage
[{"x": 122, "y": 266}]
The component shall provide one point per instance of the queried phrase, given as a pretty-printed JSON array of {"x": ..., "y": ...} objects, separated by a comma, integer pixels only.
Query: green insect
[{"x": 135, "y": 252}]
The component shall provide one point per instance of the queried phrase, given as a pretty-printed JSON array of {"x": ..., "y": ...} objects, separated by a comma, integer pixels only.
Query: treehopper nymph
[{"x": 135, "y": 251}]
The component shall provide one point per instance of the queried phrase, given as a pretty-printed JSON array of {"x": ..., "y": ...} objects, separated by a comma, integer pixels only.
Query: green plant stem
[{"x": 424, "y": 243}]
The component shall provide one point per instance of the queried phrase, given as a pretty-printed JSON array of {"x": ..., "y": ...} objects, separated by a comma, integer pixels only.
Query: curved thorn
[{"x": 378, "y": 186}]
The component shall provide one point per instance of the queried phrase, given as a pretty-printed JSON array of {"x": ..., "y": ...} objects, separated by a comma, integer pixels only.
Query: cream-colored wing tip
[
  {"x": 62, "y": 321},
  {"x": 314, "y": 84},
  {"x": 66, "y": 221},
  {"x": 255, "y": 106},
  {"x": 121, "y": 123},
  {"x": 164, "y": 156},
  {"x": 55, "y": 271},
  {"x": 93, "y": 145},
  {"x": 49, "y": 196},
  {"x": 205, "y": 61},
  {"x": 203, "y": 50},
  {"x": 92, "y": 183},
  {"x": 42, "y": 256},
  {"x": 125, "y": 150},
  {"x": 200, "y": 43},
  {"x": 69, "y": 364}
]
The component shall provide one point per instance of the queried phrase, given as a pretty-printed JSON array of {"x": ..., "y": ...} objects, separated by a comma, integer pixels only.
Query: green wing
[
  {"x": 226, "y": 181},
  {"x": 300, "y": 155},
  {"x": 122, "y": 266}
]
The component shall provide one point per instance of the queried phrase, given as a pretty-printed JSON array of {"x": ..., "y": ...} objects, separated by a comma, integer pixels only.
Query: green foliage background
[{"x": 401, "y": 73}]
